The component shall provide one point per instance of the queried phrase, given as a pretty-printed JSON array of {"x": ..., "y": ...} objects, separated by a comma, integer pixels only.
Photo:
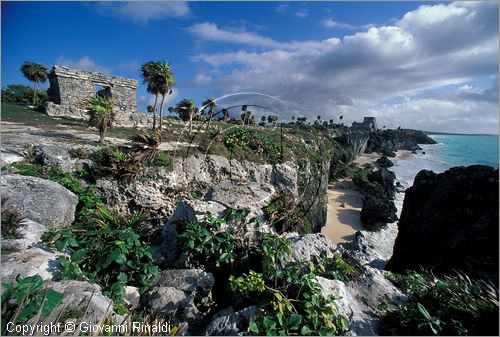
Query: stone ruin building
[
  {"x": 71, "y": 89},
  {"x": 368, "y": 124}
]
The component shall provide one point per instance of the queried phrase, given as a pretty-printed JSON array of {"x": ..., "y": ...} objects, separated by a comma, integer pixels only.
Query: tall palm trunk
[
  {"x": 154, "y": 112},
  {"x": 102, "y": 134},
  {"x": 34, "y": 92},
  {"x": 161, "y": 114},
  {"x": 210, "y": 115},
  {"x": 190, "y": 123}
]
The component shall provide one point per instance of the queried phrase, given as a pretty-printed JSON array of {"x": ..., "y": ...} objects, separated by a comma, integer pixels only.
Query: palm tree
[
  {"x": 293, "y": 119},
  {"x": 148, "y": 78},
  {"x": 225, "y": 115},
  {"x": 210, "y": 104},
  {"x": 318, "y": 118},
  {"x": 186, "y": 110},
  {"x": 166, "y": 81},
  {"x": 101, "y": 114},
  {"x": 263, "y": 119},
  {"x": 34, "y": 72},
  {"x": 272, "y": 119}
]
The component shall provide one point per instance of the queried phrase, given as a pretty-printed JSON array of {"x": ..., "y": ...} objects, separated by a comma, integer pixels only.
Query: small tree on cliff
[
  {"x": 186, "y": 110},
  {"x": 101, "y": 115},
  {"x": 148, "y": 78},
  {"x": 210, "y": 104},
  {"x": 34, "y": 72}
]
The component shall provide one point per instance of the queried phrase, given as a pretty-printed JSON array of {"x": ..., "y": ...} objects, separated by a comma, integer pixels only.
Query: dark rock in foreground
[
  {"x": 384, "y": 178},
  {"x": 449, "y": 222},
  {"x": 377, "y": 212}
]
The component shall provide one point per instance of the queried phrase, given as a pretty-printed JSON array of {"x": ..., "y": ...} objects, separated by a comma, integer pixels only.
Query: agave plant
[
  {"x": 146, "y": 145},
  {"x": 101, "y": 114}
]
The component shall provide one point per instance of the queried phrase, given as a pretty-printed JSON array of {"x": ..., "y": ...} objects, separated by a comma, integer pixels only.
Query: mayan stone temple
[{"x": 71, "y": 89}]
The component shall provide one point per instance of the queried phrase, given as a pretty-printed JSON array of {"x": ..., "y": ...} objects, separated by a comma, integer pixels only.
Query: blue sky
[{"x": 432, "y": 66}]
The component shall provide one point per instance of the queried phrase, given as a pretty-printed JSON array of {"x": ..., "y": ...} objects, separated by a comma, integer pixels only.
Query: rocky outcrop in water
[
  {"x": 450, "y": 221},
  {"x": 388, "y": 141},
  {"x": 377, "y": 212},
  {"x": 384, "y": 162}
]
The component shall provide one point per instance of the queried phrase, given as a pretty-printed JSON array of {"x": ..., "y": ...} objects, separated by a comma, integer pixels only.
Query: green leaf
[
  {"x": 122, "y": 277},
  {"x": 294, "y": 321},
  {"x": 110, "y": 257},
  {"x": 121, "y": 259},
  {"x": 253, "y": 328},
  {"x": 305, "y": 331},
  {"x": 78, "y": 256},
  {"x": 423, "y": 311}
]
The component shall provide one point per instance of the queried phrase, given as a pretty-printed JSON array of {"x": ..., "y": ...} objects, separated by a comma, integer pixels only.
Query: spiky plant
[
  {"x": 101, "y": 114},
  {"x": 146, "y": 145}
]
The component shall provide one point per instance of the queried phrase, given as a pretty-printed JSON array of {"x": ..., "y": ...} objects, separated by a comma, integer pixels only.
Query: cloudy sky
[{"x": 425, "y": 65}]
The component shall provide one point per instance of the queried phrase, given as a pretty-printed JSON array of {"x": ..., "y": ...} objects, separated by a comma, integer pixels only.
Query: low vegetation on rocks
[{"x": 442, "y": 306}]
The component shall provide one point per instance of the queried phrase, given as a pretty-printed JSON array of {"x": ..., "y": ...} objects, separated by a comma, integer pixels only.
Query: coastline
[{"x": 344, "y": 209}]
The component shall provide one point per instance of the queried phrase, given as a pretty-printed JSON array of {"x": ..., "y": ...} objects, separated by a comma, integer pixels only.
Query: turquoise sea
[{"x": 451, "y": 150}]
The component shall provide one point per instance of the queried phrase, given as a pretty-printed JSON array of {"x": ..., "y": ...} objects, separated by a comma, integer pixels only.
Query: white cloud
[
  {"x": 202, "y": 79},
  {"x": 331, "y": 23},
  {"x": 143, "y": 11},
  {"x": 282, "y": 8},
  {"x": 302, "y": 13},
  {"x": 85, "y": 63},
  {"x": 430, "y": 47}
]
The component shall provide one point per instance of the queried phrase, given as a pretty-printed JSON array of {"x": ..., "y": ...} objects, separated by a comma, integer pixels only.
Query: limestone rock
[
  {"x": 242, "y": 195},
  {"x": 55, "y": 155},
  {"x": 307, "y": 246},
  {"x": 384, "y": 162},
  {"x": 132, "y": 297},
  {"x": 227, "y": 322},
  {"x": 384, "y": 178},
  {"x": 164, "y": 301},
  {"x": 77, "y": 296},
  {"x": 190, "y": 281},
  {"x": 43, "y": 201},
  {"x": 377, "y": 212},
  {"x": 30, "y": 233},
  {"x": 32, "y": 261}
]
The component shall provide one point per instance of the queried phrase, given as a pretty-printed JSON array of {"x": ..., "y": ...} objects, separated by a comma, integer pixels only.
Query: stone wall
[{"x": 71, "y": 89}]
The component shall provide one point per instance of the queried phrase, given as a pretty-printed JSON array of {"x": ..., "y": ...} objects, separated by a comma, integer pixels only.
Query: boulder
[
  {"x": 56, "y": 155},
  {"x": 164, "y": 301},
  {"x": 449, "y": 221},
  {"x": 191, "y": 281},
  {"x": 227, "y": 322},
  {"x": 132, "y": 297},
  {"x": 43, "y": 201},
  {"x": 307, "y": 246},
  {"x": 384, "y": 178},
  {"x": 32, "y": 261},
  {"x": 78, "y": 295},
  {"x": 377, "y": 212},
  {"x": 30, "y": 232},
  {"x": 384, "y": 162}
]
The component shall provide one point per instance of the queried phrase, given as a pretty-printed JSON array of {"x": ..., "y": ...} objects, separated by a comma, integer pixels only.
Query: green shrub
[
  {"x": 285, "y": 214},
  {"x": 161, "y": 159},
  {"x": 25, "y": 298},
  {"x": 208, "y": 244},
  {"x": 449, "y": 305},
  {"x": 289, "y": 299},
  {"x": 110, "y": 254}
]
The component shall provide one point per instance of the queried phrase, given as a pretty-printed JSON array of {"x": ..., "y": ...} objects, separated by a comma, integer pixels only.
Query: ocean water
[{"x": 450, "y": 151}]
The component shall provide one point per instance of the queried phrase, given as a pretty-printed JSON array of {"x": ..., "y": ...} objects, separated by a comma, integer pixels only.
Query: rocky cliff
[
  {"x": 449, "y": 222},
  {"x": 388, "y": 141}
]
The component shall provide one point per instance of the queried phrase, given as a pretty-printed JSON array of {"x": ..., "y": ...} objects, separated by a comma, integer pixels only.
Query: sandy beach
[{"x": 345, "y": 203}]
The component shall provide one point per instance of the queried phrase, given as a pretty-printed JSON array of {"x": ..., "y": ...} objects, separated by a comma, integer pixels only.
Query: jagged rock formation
[
  {"x": 450, "y": 221},
  {"x": 71, "y": 89},
  {"x": 384, "y": 162},
  {"x": 388, "y": 141}
]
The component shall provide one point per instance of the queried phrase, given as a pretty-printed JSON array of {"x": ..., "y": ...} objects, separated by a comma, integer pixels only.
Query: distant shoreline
[{"x": 436, "y": 133}]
